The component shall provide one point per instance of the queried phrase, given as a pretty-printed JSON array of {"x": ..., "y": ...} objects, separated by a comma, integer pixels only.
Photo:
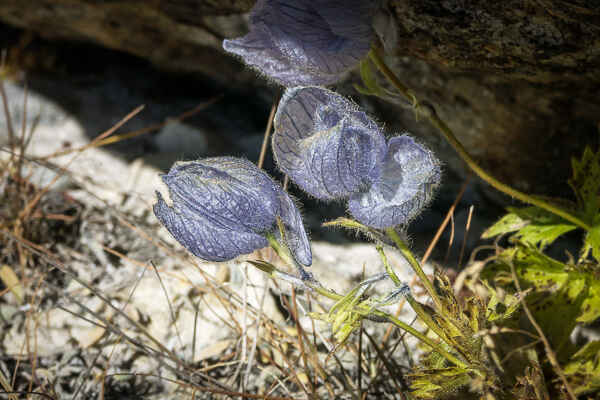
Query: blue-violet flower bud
[
  {"x": 223, "y": 207},
  {"x": 306, "y": 42},
  {"x": 411, "y": 173},
  {"x": 325, "y": 144}
]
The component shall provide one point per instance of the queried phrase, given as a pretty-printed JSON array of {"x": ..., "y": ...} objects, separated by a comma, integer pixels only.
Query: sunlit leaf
[
  {"x": 583, "y": 369},
  {"x": 508, "y": 223},
  {"x": 369, "y": 79},
  {"x": 585, "y": 182},
  {"x": 591, "y": 303},
  {"x": 532, "y": 225},
  {"x": 592, "y": 241}
]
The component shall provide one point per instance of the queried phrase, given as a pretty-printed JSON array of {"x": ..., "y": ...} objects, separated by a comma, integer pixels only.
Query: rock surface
[
  {"x": 517, "y": 81},
  {"x": 200, "y": 313}
]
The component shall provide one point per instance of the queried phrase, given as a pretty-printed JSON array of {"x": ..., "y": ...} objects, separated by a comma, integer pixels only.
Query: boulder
[{"x": 517, "y": 81}]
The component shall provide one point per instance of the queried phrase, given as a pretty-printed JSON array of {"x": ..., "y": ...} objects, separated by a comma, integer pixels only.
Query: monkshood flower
[
  {"x": 332, "y": 150},
  {"x": 306, "y": 42},
  {"x": 224, "y": 206},
  {"x": 325, "y": 144},
  {"x": 411, "y": 173}
]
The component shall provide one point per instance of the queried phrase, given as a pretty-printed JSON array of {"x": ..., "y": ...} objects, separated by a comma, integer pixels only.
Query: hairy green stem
[
  {"x": 407, "y": 254},
  {"x": 388, "y": 267},
  {"x": 364, "y": 310},
  {"x": 462, "y": 152}
]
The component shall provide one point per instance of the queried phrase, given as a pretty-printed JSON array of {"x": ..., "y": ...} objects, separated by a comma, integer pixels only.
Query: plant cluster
[{"x": 491, "y": 344}]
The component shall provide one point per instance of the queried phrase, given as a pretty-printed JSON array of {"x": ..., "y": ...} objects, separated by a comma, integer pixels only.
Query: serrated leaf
[
  {"x": 580, "y": 290},
  {"x": 585, "y": 182},
  {"x": 564, "y": 305},
  {"x": 591, "y": 304},
  {"x": 501, "y": 309},
  {"x": 538, "y": 269},
  {"x": 509, "y": 223},
  {"x": 583, "y": 369},
  {"x": 436, "y": 383},
  {"x": 532, "y": 225},
  {"x": 592, "y": 241}
]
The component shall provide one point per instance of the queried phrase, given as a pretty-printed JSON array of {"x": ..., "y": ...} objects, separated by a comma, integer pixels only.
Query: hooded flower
[
  {"x": 333, "y": 151},
  {"x": 325, "y": 144},
  {"x": 224, "y": 206},
  {"x": 306, "y": 42},
  {"x": 411, "y": 173}
]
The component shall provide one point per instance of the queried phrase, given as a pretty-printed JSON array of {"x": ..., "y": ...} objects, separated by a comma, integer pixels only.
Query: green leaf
[
  {"x": 538, "y": 269},
  {"x": 509, "y": 223},
  {"x": 592, "y": 242},
  {"x": 559, "y": 289},
  {"x": 585, "y": 182},
  {"x": 500, "y": 309},
  {"x": 369, "y": 78},
  {"x": 557, "y": 313},
  {"x": 533, "y": 226},
  {"x": 583, "y": 370},
  {"x": 438, "y": 383},
  {"x": 591, "y": 303}
]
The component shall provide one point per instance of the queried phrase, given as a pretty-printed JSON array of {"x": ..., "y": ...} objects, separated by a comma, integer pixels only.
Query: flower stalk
[
  {"x": 445, "y": 130},
  {"x": 407, "y": 254},
  {"x": 364, "y": 310}
]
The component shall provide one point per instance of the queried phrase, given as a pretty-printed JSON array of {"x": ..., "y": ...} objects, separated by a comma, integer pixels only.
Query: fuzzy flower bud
[
  {"x": 306, "y": 42},
  {"x": 411, "y": 173},
  {"x": 332, "y": 150},
  {"x": 223, "y": 207},
  {"x": 325, "y": 144}
]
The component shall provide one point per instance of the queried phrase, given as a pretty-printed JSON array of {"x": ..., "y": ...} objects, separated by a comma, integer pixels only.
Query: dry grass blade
[
  {"x": 29, "y": 207},
  {"x": 229, "y": 393},
  {"x": 99, "y": 353},
  {"x": 7, "y": 387},
  {"x": 450, "y": 241},
  {"x": 300, "y": 337},
  {"x": 161, "y": 354},
  {"x": 9, "y": 125},
  {"x": 265, "y": 143},
  {"x": 464, "y": 242},
  {"x": 394, "y": 373},
  {"x": 103, "y": 140},
  {"x": 173, "y": 318},
  {"x": 251, "y": 358}
]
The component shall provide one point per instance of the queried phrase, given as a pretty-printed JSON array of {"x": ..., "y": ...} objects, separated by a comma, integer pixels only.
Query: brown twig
[{"x": 265, "y": 143}]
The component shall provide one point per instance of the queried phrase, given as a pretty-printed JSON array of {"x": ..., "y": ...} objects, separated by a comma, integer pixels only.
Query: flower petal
[
  {"x": 203, "y": 238},
  {"x": 325, "y": 145},
  {"x": 410, "y": 176},
  {"x": 295, "y": 235},
  {"x": 306, "y": 42},
  {"x": 224, "y": 206},
  {"x": 226, "y": 190}
]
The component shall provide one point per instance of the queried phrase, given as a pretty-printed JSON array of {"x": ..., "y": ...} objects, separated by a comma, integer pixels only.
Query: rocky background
[{"x": 518, "y": 82}]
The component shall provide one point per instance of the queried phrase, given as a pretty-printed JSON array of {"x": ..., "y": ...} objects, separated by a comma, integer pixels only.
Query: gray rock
[{"x": 518, "y": 82}]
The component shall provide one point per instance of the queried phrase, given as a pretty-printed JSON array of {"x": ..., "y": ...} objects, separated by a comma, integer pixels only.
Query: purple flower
[
  {"x": 333, "y": 151},
  {"x": 411, "y": 173},
  {"x": 325, "y": 144},
  {"x": 224, "y": 206},
  {"x": 306, "y": 42}
]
